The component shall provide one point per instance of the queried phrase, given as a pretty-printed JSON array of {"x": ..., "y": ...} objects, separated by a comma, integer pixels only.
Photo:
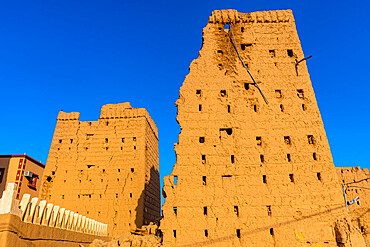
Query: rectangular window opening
[
  {"x": 130, "y": 195},
  {"x": 269, "y": 212},
  {"x": 255, "y": 108},
  {"x": 200, "y": 107},
  {"x": 174, "y": 233},
  {"x": 242, "y": 46},
  {"x": 314, "y": 156},
  {"x": 203, "y": 159},
  {"x": 228, "y": 108},
  {"x": 175, "y": 180},
  {"x": 287, "y": 140},
  {"x": 246, "y": 86},
  {"x": 232, "y": 159},
  {"x": 238, "y": 233},
  {"x": 262, "y": 158},
  {"x": 206, "y": 233},
  {"x": 204, "y": 178},
  {"x": 278, "y": 94},
  {"x": 205, "y": 210},
  {"x": 71, "y": 140},
  {"x": 123, "y": 140},
  {"x": 281, "y": 108},
  {"x": 272, "y": 231},
  {"x": 228, "y": 131},
  {"x": 106, "y": 140},
  {"x": 201, "y": 139},
  {"x": 236, "y": 210},
  {"x": 272, "y": 53},
  {"x": 318, "y": 176},
  {"x": 300, "y": 93},
  {"x": 259, "y": 140},
  {"x": 291, "y": 177},
  {"x": 175, "y": 210},
  {"x": 198, "y": 92},
  {"x": 303, "y": 107},
  {"x": 290, "y": 53},
  {"x": 288, "y": 157},
  {"x": 223, "y": 93},
  {"x": 310, "y": 139},
  {"x": 264, "y": 179},
  {"x": 60, "y": 140}
]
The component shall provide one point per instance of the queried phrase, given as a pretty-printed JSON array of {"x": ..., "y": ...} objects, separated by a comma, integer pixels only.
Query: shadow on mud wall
[{"x": 148, "y": 205}]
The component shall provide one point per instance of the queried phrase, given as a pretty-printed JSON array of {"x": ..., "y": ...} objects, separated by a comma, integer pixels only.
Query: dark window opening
[
  {"x": 134, "y": 139},
  {"x": 246, "y": 86},
  {"x": 281, "y": 108},
  {"x": 310, "y": 139},
  {"x": 362, "y": 229},
  {"x": 358, "y": 202},
  {"x": 119, "y": 170},
  {"x": 226, "y": 176},
  {"x": 89, "y": 166},
  {"x": 236, "y": 210},
  {"x": 107, "y": 123},
  {"x": 288, "y": 157},
  {"x": 175, "y": 180},
  {"x": 229, "y": 131},
  {"x": 242, "y": 29},
  {"x": 203, "y": 159},
  {"x": 228, "y": 108},
  {"x": 47, "y": 179},
  {"x": 232, "y": 159},
  {"x": 287, "y": 140},
  {"x": 290, "y": 53},
  {"x": 255, "y": 108},
  {"x": 262, "y": 158},
  {"x": 272, "y": 231},
  {"x": 132, "y": 169},
  {"x": 205, "y": 210},
  {"x": 123, "y": 140},
  {"x": 201, "y": 139},
  {"x": 204, "y": 178},
  {"x": 304, "y": 107},
  {"x": 206, "y": 233},
  {"x": 238, "y": 233},
  {"x": 199, "y": 92},
  {"x": 264, "y": 179},
  {"x": 174, "y": 233},
  {"x": 200, "y": 107},
  {"x": 134, "y": 147},
  {"x": 60, "y": 140},
  {"x": 220, "y": 51},
  {"x": 272, "y": 53},
  {"x": 71, "y": 140},
  {"x": 53, "y": 172},
  {"x": 300, "y": 93},
  {"x": 314, "y": 156},
  {"x": 242, "y": 46},
  {"x": 223, "y": 93},
  {"x": 175, "y": 210},
  {"x": 291, "y": 177},
  {"x": 130, "y": 195},
  {"x": 269, "y": 212},
  {"x": 106, "y": 140},
  {"x": 318, "y": 176},
  {"x": 278, "y": 94},
  {"x": 121, "y": 148},
  {"x": 259, "y": 140}
]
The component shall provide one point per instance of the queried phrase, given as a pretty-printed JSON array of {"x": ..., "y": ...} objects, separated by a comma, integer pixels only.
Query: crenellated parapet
[
  {"x": 65, "y": 116},
  {"x": 227, "y": 16},
  {"x": 33, "y": 211}
]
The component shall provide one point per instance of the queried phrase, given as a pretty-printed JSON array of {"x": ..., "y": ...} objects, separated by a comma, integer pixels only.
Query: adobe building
[
  {"x": 22, "y": 170},
  {"x": 356, "y": 183},
  {"x": 250, "y": 173},
  {"x": 106, "y": 169}
]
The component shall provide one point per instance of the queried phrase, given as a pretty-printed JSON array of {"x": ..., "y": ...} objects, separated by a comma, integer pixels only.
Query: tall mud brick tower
[
  {"x": 250, "y": 173},
  {"x": 106, "y": 169}
]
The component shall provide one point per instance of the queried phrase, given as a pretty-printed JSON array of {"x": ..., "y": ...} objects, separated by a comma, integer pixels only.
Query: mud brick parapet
[{"x": 42, "y": 213}]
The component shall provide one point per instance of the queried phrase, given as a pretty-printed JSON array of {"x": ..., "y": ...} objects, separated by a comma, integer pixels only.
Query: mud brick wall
[
  {"x": 250, "y": 173},
  {"x": 357, "y": 183},
  {"x": 106, "y": 169}
]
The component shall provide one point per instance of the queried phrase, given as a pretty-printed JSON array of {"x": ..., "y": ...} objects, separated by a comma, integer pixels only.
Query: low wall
[
  {"x": 14, "y": 232},
  {"x": 31, "y": 222}
]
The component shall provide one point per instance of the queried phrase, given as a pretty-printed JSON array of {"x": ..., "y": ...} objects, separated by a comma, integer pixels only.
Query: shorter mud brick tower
[
  {"x": 106, "y": 169},
  {"x": 250, "y": 173}
]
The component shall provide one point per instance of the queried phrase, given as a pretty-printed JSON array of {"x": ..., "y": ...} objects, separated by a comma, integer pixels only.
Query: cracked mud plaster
[
  {"x": 106, "y": 169},
  {"x": 267, "y": 188}
]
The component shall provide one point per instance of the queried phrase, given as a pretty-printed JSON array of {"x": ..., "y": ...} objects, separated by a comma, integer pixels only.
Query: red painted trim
[{"x": 25, "y": 156}]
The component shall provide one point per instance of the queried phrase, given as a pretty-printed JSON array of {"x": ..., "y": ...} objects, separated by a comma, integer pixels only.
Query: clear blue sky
[{"x": 79, "y": 55}]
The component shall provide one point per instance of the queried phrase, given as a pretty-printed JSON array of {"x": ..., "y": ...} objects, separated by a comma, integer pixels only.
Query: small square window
[
  {"x": 300, "y": 93},
  {"x": 278, "y": 94},
  {"x": 199, "y": 92},
  {"x": 201, "y": 139},
  {"x": 272, "y": 53},
  {"x": 223, "y": 93},
  {"x": 290, "y": 53},
  {"x": 60, "y": 140},
  {"x": 259, "y": 140},
  {"x": 310, "y": 139}
]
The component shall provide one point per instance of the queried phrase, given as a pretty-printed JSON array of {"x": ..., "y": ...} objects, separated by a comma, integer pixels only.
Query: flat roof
[{"x": 25, "y": 156}]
